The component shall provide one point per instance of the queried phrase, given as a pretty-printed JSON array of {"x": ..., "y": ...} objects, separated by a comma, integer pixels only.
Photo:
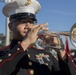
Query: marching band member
[{"x": 19, "y": 58}]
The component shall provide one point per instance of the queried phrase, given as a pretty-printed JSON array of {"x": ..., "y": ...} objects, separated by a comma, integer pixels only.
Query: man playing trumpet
[{"x": 19, "y": 58}]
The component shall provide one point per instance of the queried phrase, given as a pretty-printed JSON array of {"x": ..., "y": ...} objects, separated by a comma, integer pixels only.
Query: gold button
[
  {"x": 18, "y": 49},
  {"x": 29, "y": 55},
  {"x": 47, "y": 64},
  {"x": 0, "y": 60},
  {"x": 30, "y": 63},
  {"x": 9, "y": 54},
  {"x": 31, "y": 72}
]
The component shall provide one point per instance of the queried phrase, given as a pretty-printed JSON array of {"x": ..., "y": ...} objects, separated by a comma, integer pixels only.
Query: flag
[{"x": 67, "y": 50}]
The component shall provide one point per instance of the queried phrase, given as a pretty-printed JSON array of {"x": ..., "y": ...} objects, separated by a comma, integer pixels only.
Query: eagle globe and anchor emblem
[{"x": 28, "y": 2}]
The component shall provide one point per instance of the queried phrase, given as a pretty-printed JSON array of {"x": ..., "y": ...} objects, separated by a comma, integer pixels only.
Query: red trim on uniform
[
  {"x": 10, "y": 58},
  {"x": 28, "y": 71},
  {"x": 4, "y": 47}
]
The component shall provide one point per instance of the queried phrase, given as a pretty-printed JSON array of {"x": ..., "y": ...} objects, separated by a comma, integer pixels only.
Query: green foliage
[{"x": 2, "y": 40}]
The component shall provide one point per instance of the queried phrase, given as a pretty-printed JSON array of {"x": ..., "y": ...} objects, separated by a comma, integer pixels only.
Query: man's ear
[{"x": 10, "y": 26}]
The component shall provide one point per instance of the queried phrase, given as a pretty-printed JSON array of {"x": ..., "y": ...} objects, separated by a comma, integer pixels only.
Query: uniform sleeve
[
  {"x": 9, "y": 59},
  {"x": 67, "y": 66}
]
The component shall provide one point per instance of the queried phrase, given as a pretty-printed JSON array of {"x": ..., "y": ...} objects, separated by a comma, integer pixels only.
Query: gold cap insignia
[{"x": 28, "y": 2}]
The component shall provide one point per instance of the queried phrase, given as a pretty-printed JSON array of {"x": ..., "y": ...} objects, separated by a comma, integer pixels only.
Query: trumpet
[
  {"x": 62, "y": 33},
  {"x": 46, "y": 38},
  {"x": 50, "y": 39}
]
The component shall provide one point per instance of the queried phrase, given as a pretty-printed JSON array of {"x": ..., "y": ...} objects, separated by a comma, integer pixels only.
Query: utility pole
[
  {"x": 7, "y": 32},
  {"x": 7, "y": 29}
]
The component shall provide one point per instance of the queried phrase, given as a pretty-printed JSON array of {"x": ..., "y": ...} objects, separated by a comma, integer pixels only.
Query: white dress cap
[{"x": 21, "y": 6}]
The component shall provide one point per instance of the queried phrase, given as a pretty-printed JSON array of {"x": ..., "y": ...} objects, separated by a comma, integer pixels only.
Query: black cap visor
[{"x": 20, "y": 16}]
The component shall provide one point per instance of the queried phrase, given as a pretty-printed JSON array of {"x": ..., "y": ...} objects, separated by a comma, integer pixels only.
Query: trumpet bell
[{"x": 73, "y": 35}]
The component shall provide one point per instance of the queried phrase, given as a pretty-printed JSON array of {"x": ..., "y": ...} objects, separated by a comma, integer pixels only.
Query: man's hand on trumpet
[
  {"x": 59, "y": 47},
  {"x": 55, "y": 42}
]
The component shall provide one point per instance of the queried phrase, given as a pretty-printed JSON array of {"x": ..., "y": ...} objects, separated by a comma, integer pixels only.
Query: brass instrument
[
  {"x": 46, "y": 38},
  {"x": 73, "y": 35}
]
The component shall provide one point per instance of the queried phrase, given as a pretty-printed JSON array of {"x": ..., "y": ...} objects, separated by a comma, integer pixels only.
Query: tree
[{"x": 2, "y": 40}]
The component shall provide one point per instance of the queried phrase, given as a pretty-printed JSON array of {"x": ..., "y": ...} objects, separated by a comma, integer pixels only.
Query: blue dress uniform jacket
[{"x": 14, "y": 61}]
